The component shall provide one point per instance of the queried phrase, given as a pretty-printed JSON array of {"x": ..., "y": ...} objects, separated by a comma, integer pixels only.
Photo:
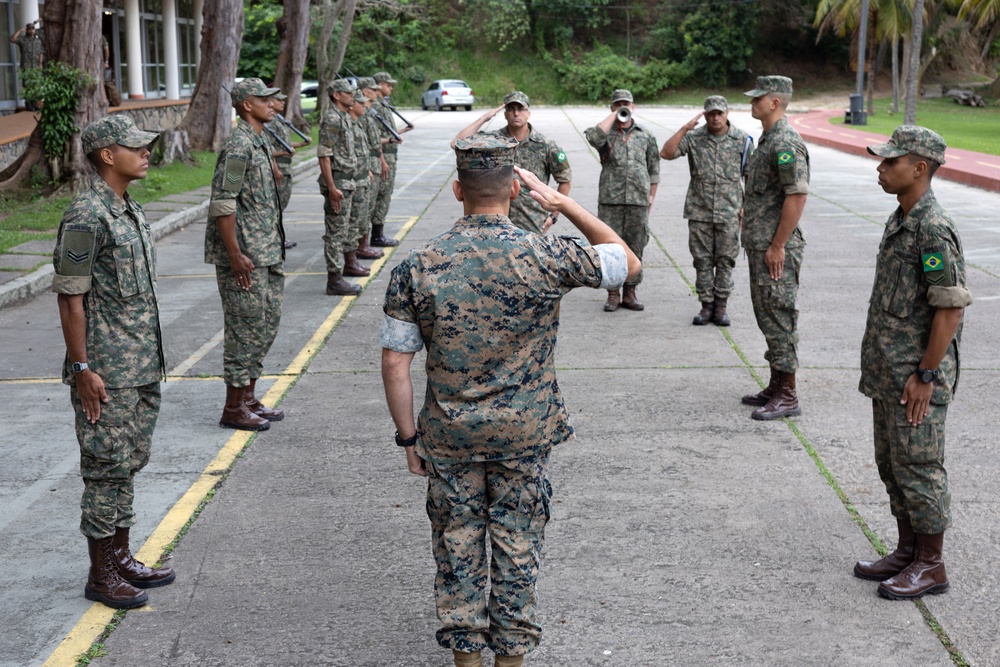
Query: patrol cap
[
  {"x": 621, "y": 95},
  {"x": 115, "y": 129},
  {"x": 517, "y": 97},
  {"x": 280, "y": 96},
  {"x": 383, "y": 77},
  {"x": 340, "y": 86},
  {"x": 716, "y": 103},
  {"x": 912, "y": 139},
  {"x": 485, "y": 151},
  {"x": 367, "y": 82},
  {"x": 770, "y": 84},
  {"x": 252, "y": 87},
  {"x": 359, "y": 96}
]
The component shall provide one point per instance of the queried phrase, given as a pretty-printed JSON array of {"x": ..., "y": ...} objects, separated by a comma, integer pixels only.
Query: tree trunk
[
  {"x": 895, "y": 74},
  {"x": 324, "y": 69},
  {"x": 292, "y": 58},
  {"x": 913, "y": 76},
  {"x": 208, "y": 120},
  {"x": 345, "y": 34}
]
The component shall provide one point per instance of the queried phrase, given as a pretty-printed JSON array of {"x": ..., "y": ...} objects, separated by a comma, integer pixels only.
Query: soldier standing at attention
[
  {"x": 717, "y": 152},
  {"x": 282, "y": 157},
  {"x": 337, "y": 164},
  {"x": 390, "y": 150},
  {"x": 541, "y": 156},
  {"x": 357, "y": 225},
  {"x": 376, "y": 165},
  {"x": 105, "y": 267},
  {"x": 910, "y": 361},
  {"x": 777, "y": 184},
  {"x": 492, "y": 413},
  {"x": 630, "y": 173},
  {"x": 245, "y": 240}
]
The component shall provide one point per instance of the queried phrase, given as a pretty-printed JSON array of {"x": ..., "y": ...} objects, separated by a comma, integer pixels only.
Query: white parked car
[{"x": 452, "y": 93}]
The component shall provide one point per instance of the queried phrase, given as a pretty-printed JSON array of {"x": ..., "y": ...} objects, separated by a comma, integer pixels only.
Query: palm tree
[
  {"x": 913, "y": 76},
  {"x": 986, "y": 13}
]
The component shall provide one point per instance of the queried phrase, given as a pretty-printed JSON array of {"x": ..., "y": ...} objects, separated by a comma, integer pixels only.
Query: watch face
[{"x": 927, "y": 376}]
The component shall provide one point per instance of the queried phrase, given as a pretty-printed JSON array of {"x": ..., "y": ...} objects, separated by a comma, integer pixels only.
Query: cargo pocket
[
  {"x": 898, "y": 298},
  {"x": 924, "y": 443},
  {"x": 534, "y": 510},
  {"x": 128, "y": 283}
]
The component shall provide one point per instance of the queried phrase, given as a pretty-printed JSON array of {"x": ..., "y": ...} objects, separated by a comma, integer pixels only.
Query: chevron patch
[{"x": 77, "y": 257}]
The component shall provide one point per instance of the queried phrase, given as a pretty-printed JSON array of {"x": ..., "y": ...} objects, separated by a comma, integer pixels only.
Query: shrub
[
  {"x": 601, "y": 71},
  {"x": 57, "y": 87}
]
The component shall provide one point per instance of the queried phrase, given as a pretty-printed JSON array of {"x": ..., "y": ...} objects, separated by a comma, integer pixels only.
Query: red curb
[{"x": 968, "y": 167}]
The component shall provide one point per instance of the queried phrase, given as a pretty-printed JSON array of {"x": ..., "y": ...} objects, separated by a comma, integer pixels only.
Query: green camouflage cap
[
  {"x": 912, "y": 139},
  {"x": 485, "y": 151},
  {"x": 252, "y": 87},
  {"x": 620, "y": 95},
  {"x": 517, "y": 97},
  {"x": 359, "y": 96},
  {"x": 340, "y": 86},
  {"x": 115, "y": 129},
  {"x": 770, "y": 84},
  {"x": 716, "y": 103},
  {"x": 280, "y": 96},
  {"x": 383, "y": 77},
  {"x": 367, "y": 82}
]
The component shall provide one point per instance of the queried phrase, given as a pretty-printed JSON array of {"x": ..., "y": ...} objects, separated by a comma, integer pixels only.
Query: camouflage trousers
[
  {"x": 714, "y": 247},
  {"x": 360, "y": 219},
  {"x": 774, "y": 307},
  {"x": 631, "y": 223},
  {"x": 112, "y": 451},
  {"x": 251, "y": 320},
  {"x": 910, "y": 461},
  {"x": 337, "y": 239},
  {"x": 285, "y": 191},
  {"x": 488, "y": 605},
  {"x": 381, "y": 206}
]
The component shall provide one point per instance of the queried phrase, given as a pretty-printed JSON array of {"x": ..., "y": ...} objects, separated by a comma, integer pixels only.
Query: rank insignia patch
[
  {"x": 77, "y": 257},
  {"x": 933, "y": 262}
]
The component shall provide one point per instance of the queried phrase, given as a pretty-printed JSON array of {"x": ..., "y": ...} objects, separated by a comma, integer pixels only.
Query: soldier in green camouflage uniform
[
  {"x": 32, "y": 53},
  {"x": 338, "y": 164},
  {"x": 536, "y": 153},
  {"x": 777, "y": 184},
  {"x": 105, "y": 278},
  {"x": 492, "y": 411},
  {"x": 282, "y": 156},
  {"x": 390, "y": 150},
  {"x": 630, "y": 174},
  {"x": 244, "y": 239},
  {"x": 357, "y": 224},
  {"x": 717, "y": 153},
  {"x": 376, "y": 165},
  {"x": 910, "y": 361}
]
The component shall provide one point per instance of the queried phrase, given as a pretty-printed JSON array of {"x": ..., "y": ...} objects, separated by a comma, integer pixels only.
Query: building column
[
  {"x": 28, "y": 13},
  {"x": 170, "y": 63},
  {"x": 133, "y": 42},
  {"x": 199, "y": 11}
]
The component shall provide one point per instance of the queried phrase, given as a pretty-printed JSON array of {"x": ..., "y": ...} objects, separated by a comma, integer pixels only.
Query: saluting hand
[
  {"x": 549, "y": 198},
  {"x": 693, "y": 123}
]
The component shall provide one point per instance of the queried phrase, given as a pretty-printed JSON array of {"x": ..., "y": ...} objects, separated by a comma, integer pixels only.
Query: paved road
[{"x": 683, "y": 531}]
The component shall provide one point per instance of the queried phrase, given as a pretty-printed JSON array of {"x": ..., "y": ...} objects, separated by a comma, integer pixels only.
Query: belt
[
  {"x": 343, "y": 175},
  {"x": 375, "y": 153}
]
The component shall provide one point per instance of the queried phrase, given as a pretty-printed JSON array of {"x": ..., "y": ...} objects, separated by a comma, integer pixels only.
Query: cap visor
[
  {"x": 886, "y": 150},
  {"x": 756, "y": 92},
  {"x": 137, "y": 139},
  {"x": 269, "y": 91},
  {"x": 715, "y": 107}
]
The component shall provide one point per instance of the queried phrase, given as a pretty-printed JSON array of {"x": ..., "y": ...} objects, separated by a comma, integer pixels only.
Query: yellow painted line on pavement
[
  {"x": 988, "y": 164},
  {"x": 94, "y": 621}
]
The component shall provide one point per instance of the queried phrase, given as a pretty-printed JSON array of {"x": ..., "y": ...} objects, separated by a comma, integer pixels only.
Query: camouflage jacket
[
  {"x": 484, "y": 300},
  {"x": 715, "y": 193},
  {"x": 104, "y": 250},
  {"x": 373, "y": 134},
  {"x": 779, "y": 167},
  {"x": 920, "y": 268},
  {"x": 544, "y": 159},
  {"x": 361, "y": 151},
  {"x": 31, "y": 51},
  {"x": 244, "y": 184},
  {"x": 630, "y": 163},
  {"x": 337, "y": 142},
  {"x": 382, "y": 107},
  {"x": 285, "y": 161}
]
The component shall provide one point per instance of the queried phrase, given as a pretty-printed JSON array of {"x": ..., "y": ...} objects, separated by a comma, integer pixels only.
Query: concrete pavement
[{"x": 683, "y": 532}]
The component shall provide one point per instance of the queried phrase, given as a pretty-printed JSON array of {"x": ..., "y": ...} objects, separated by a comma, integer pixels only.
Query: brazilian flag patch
[
  {"x": 561, "y": 157},
  {"x": 933, "y": 262},
  {"x": 786, "y": 158}
]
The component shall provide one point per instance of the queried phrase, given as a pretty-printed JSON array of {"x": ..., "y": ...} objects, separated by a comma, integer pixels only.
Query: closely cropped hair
[
  {"x": 486, "y": 185},
  {"x": 932, "y": 166},
  {"x": 783, "y": 98}
]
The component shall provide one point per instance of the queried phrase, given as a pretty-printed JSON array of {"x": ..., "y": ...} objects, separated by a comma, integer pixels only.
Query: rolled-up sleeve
[
  {"x": 399, "y": 336},
  {"x": 949, "y": 297},
  {"x": 614, "y": 265}
]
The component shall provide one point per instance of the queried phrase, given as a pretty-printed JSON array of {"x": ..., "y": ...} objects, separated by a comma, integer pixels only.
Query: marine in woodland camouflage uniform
[
  {"x": 536, "y": 153},
  {"x": 717, "y": 153},
  {"x": 339, "y": 169},
  {"x": 390, "y": 151},
  {"x": 244, "y": 239},
  {"x": 910, "y": 361},
  {"x": 105, "y": 278},
  {"x": 777, "y": 178},
  {"x": 483, "y": 298},
  {"x": 630, "y": 174}
]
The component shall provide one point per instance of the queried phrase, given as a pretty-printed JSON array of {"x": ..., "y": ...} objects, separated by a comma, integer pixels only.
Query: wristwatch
[
  {"x": 79, "y": 366},
  {"x": 926, "y": 375},
  {"x": 407, "y": 442}
]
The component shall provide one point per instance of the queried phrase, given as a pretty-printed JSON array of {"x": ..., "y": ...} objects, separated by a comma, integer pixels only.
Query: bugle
[
  {"x": 624, "y": 115},
  {"x": 306, "y": 138}
]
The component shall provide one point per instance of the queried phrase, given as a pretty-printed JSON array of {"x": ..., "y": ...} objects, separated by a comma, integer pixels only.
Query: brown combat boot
[
  {"x": 105, "y": 584},
  {"x": 336, "y": 285},
  {"x": 508, "y": 661},
  {"x": 380, "y": 239},
  {"x": 629, "y": 301},
  {"x": 365, "y": 251},
  {"x": 893, "y": 563},
  {"x": 258, "y": 408},
  {"x": 468, "y": 659},
  {"x": 704, "y": 315},
  {"x": 614, "y": 300},
  {"x": 237, "y": 415},
  {"x": 134, "y": 572},
  {"x": 720, "y": 316},
  {"x": 924, "y": 576},
  {"x": 765, "y": 394},
  {"x": 784, "y": 402},
  {"x": 351, "y": 266}
]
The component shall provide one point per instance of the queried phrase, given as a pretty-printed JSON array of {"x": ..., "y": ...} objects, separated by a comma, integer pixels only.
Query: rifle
[
  {"x": 281, "y": 142},
  {"x": 387, "y": 125},
  {"x": 294, "y": 129},
  {"x": 391, "y": 108}
]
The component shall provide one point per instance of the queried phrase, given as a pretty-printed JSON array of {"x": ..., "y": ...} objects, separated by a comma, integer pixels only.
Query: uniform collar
[
  {"x": 916, "y": 215},
  {"x": 246, "y": 128},
  {"x": 533, "y": 134},
  {"x": 778, "y": 124},
  {"x": 483, "y": 220},
  {"x": 115, "y": 204}
]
